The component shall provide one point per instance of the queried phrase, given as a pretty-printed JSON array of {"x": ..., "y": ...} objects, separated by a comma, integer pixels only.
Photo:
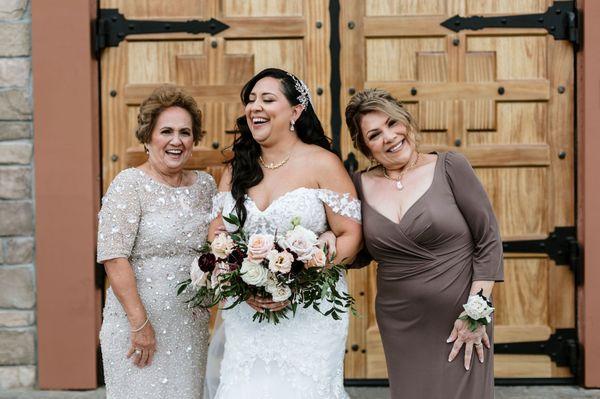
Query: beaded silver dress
[{"x": 157, "y": 228}]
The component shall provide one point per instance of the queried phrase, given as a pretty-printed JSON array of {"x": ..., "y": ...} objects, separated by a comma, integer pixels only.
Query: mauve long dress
[{"x": 427, "y": 262}]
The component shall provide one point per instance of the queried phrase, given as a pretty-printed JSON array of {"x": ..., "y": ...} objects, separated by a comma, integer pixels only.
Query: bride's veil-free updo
[{"x": 246, "y": 171}]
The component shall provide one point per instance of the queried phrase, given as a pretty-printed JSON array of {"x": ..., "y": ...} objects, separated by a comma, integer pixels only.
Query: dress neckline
[
  {"x": 153, "y": 180},
  {"x": 281, "y": 197},
  {"x": 413, "y": 205}
]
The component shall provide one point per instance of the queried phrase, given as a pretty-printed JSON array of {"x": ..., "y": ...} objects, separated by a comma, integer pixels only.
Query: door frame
[{"x": 68, "y": 301}]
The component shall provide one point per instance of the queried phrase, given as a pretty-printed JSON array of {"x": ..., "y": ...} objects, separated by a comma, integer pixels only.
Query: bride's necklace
[
  {"x": 161, "y": 179},
  {"x": 273, "y": 165},
  {"x": 398, "y": 179}
]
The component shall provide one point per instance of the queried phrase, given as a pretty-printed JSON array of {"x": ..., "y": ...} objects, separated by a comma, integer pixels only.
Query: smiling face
[
  {"x": 268, "y": 111},
  {"x": 171, "y": 141},
  {"x": 386, "y": 139}
]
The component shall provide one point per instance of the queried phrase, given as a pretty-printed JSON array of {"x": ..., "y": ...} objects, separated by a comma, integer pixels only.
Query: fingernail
[
  {"x": 467, "y": 368},
  {"x": 480, "y": 360},
  {"x": 449, "y": 359},
  {"x": 448, "y": 340}
]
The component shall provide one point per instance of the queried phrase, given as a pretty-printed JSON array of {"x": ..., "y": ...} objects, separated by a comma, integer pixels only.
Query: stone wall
[{"x": 17, "y": 275}]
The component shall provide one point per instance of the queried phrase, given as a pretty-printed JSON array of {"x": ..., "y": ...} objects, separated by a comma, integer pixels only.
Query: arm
[
  {"x": 217, "y": 226},
  {"x": 117, "y": 231},
  {"x": 123, "y": 283},
  {"x": 476, "y": 208},
  {"x": 332, "y": 176}
]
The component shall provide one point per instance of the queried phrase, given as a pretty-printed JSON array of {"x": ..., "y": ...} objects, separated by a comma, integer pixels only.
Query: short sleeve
[
  {"x": 341, "y": 204},
  {"x": 475, "y": 206},
  {"x": 119, "y": 218}
]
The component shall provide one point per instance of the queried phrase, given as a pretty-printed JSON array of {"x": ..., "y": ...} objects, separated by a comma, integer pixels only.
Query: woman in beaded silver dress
[{"x": 152, "y": 219}]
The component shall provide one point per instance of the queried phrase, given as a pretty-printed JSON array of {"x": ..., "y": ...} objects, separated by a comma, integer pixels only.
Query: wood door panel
[
  {"x": 492, "y": 94},
  {"x": 210, "y": 68}
]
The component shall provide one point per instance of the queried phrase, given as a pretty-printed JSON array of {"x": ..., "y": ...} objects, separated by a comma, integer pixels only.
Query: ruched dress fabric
[
  {"x": 157, "y": 228},
  {"x": 426, "y": 264},
  {"x": 301, "y": 357}
]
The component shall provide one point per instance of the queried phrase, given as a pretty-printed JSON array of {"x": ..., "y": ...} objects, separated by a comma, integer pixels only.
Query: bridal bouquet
[{"x": 291, "y": 267}]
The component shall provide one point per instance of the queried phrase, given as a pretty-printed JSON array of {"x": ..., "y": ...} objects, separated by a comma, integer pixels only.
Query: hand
[
  {"x": 461, "y": 334},
  {"x": 221, "y": 229},
  {"x": 260, "y": 304},
  {"x": 143, "y": 346},
  {"x": 328, "y": 240}
]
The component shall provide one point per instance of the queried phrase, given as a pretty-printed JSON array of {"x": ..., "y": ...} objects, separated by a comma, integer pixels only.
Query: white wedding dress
[{"x": 301, "y": 357}]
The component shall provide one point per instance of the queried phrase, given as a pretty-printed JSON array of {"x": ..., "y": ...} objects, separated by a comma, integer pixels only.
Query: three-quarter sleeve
[
  {"x": 476, "y": 208},
  {"x": 119, "y": 218}
]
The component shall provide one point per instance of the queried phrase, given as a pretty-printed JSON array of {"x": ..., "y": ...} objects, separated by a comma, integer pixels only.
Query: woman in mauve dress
[{"x": 429, "y": 224}]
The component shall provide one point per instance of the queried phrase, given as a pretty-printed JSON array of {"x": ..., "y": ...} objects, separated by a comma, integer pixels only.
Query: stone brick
[
  {"x": 12, "y": 377},
  {"x": 15, "y": 130},
  {"x": 15, "y": 104},
  {"x": 15, "y": 39},
  {"x": 16, "y": 318},
  {"x": 17, "y": 347},
  {"x": 18, "y": 251},
  {"x": 16, "y": 152},
  {"x": 12, "y": 9},
  {"x": 15, "y": 183},
  {"x": 1, "y": 252},
  {"x": 16, "y": 218},
  {"x": 14, "y": 71},
  {"x": 16, "y": 288}
]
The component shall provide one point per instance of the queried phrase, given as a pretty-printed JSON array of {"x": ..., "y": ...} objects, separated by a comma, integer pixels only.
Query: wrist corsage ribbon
[{"x": 477, "y": 311}]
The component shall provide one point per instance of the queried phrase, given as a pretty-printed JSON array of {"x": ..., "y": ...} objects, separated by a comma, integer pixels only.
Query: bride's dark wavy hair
[{"x": 246, "y": 171}]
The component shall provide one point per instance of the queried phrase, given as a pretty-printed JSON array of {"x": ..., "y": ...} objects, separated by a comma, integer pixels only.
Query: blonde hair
[
  {"x": 162, "y": 98},
  {"x": 371, "y": 100}
]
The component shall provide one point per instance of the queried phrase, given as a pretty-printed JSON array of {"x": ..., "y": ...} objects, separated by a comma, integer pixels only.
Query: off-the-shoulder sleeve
[
  {"x": 341, "y": 204},
  {"x": 119, "y": 218},
  {"x": 217, "y": 204},
  {"x": 476, "y": 208}
]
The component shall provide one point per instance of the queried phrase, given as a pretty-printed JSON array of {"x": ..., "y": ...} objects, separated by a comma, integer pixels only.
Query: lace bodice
[
  {"x": 305, "y": 203},
  {"x": 299, "y": 358}
]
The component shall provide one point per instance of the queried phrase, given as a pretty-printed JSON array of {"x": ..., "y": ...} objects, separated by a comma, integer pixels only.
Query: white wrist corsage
[{"x": 477, "y": 311}]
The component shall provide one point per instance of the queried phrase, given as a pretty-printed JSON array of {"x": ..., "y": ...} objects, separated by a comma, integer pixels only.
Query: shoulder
[
  {"x": 205, "y": 178},
  {"x": 452, "y": 158},
  {"x": 320, "y": 157},
  {"x": 127, "y": 178}
]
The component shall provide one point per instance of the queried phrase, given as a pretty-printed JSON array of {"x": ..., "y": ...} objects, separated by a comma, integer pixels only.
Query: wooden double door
[{"x": 503, "y": 97}]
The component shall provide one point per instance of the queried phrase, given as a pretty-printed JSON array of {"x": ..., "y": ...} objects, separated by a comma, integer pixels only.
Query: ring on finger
[
  {"x": 478, "y": 345},
  {"x": 137, "y": 351}
]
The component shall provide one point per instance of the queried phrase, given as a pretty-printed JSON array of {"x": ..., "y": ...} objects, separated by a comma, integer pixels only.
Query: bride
[{"x": 283, "y": 168}]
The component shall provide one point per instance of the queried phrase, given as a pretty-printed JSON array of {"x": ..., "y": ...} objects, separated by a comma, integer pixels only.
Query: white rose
[
  {"x": 253, "y": 273},
  {"x": 301, "y": 241},
  {"x": 271, "y": 283},
  {"x": 259, "y": 246},
  {"x": 281, "y": 293},
  {"x": 197, "y": 276},
  {"x": 222, "y": 246},
  {"x": 280, "y": 261},
  {"x": 317, "y": 259},
  {"x": 477, "y": 308}
]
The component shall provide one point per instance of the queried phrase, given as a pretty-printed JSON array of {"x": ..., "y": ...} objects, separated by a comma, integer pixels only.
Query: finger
[
  {"x": 136, "y": 358},
  {"x": 144, "y": 358},
  {"x": 480, "y": 355},
  {"x": 486, "y": 341},
  {"x": 455, "y": 349},
  {"x": 468, "y": 355},
  {"x": 453, "y": 335},
  {"x": 150, "y": 357},
  {"x": 130, "y": 352}
]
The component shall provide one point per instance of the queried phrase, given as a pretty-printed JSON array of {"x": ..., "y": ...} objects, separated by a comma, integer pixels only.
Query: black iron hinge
[
  {"x": 562, "y": 20},
  {"x": 561, "y": 246},
  {"x": 562, "y": 347},
  {"x": 111, "y": 27}
]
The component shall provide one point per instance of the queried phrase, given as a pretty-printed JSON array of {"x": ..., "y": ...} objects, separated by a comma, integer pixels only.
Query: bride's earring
[
  {"x": 292, "y": 125},
  {"x": 146, "y": 150}
]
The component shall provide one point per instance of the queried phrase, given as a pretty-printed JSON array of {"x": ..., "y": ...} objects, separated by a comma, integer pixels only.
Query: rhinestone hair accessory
[{"x": 304, "y": 97}]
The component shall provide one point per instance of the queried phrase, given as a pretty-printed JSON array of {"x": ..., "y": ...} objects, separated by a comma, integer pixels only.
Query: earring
[
  {"x": 146, "y": 150},
  {"x": 373, "y": 163},
  {"x": 292, "y": 125}
]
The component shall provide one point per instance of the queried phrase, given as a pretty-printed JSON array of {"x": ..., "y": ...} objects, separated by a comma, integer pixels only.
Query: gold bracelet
[{"x": 142, "y": 326}]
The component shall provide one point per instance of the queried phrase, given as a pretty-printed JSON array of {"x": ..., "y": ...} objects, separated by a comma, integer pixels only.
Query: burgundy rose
[
  {"x": 236, "y": 257},
  {"x": 207, "y": 262},
  {"x": 297, "y": 266}
]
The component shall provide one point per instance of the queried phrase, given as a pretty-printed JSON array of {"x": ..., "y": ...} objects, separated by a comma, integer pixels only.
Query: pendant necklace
[{"x": 398, "y": 179}]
